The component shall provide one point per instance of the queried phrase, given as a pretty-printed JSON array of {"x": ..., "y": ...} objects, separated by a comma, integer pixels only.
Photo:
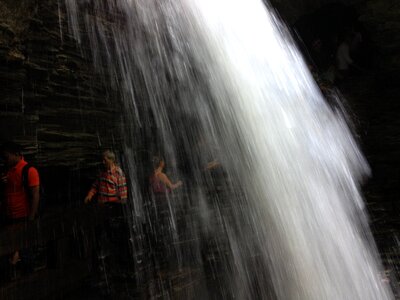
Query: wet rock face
[
  {"x": 62, "y": 111},
  {"x": 292, "y": 10},
  {"x": 381, "y": 18},
  {"x": 52, "y": 100}
]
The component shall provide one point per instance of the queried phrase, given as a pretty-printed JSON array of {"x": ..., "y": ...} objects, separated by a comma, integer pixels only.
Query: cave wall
[
  {"x": 63, "y": 112},
  {"x": 380, "y": 18},
  {"x": 52, "y": 101},
  {"x": 291, "y": 11}
]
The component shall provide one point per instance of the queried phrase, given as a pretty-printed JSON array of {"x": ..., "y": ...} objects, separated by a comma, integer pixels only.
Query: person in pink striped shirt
[{"x": 111, "y": 185}]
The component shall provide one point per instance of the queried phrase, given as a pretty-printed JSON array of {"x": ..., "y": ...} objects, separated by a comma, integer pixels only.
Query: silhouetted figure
[{"x": 344, "y": 61}]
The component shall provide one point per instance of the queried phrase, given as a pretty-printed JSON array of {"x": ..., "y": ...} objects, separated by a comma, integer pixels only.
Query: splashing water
[{"x": 290, "y": 222}]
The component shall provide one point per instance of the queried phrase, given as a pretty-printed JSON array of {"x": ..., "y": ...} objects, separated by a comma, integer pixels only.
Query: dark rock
[
  {"x": 51, "y": 95},
  {"x": 6, "y": 34}
]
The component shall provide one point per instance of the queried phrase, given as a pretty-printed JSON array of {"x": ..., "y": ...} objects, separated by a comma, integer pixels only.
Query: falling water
[{"x": 221, "y": 79}]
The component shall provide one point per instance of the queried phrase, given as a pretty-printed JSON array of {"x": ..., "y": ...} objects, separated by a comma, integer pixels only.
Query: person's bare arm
[
  {"x": 164, "y": 178},
  {"x": 92, "y": 192},
  {"x": 35, "y": 202},
  {"x": 212, "y": 165}
]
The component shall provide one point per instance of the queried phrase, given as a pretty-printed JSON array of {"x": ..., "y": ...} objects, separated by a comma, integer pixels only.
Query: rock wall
[
  {"x": 63, "y": 112},
  {"x": 292, "y": 10},
  {"x": 381, "y": 18},
  {"x": 52, "y": 101}
]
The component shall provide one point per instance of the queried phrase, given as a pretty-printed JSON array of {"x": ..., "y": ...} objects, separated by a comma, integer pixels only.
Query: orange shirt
[{"x": 17, "y": 199}]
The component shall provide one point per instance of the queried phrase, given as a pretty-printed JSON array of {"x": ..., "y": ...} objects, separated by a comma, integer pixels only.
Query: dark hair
[
  {"x": 157, "y": 161},
  {"x": 11, "y": 147}
]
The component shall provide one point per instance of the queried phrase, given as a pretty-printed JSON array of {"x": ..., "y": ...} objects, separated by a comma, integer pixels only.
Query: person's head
[
  {"x": 109, "y": 159},
  {"x": 11, "y": 153},
  {"x": 158, "y": 162}
]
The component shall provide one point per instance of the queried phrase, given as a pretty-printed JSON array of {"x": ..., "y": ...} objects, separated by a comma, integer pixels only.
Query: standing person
[
  {"x": 110, "y": 186},
  {"x": 343, "y": 57},
  {"x": 21, "y": 194},
  {"x": 159, "y": 181},
  {"x": 162, "y": 219},
  {"x": 345, "y": 63},
  {"x": 21, "y": 188}
]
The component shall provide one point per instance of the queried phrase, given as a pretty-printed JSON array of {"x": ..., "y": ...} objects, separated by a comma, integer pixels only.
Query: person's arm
[
  {"x": 164, "y": 178},
  {"x": 122, "y": 188},
  {"x": 212, "y": 165},
  {"x": 346, "y": 55},
  {"x": 35, "y": 194},
  {"x": 92, "y": 192}
]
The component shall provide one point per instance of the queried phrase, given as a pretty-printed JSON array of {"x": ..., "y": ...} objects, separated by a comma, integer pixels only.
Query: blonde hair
[{"x": 110, "y": 155}]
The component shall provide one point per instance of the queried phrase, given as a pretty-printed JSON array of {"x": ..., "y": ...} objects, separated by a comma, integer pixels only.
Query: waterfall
[{"x": 222, "y": 80}]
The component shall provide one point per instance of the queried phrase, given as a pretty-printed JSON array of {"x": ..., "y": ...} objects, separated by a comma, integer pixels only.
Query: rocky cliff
[
  {"x": 52, "y": 101},
  {"x": 381, "y": 19},
  {"x": 62, "y": 111}
]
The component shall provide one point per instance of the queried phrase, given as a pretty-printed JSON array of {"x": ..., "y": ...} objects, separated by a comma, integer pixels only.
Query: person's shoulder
[
  {"x": 161, "y": 175},
  {"x": 119, "y": 171},
  {"x": 19, "y": 166},
  {"x": 32, "y": 176},
  {"x": 31, "y": 169}
]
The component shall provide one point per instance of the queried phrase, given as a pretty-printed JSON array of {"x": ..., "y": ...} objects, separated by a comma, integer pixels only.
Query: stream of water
[{"x": 221, "y": 80}]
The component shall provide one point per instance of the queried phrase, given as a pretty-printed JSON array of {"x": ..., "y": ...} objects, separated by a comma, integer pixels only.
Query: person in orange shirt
[{"x": 21, "y": 195}]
